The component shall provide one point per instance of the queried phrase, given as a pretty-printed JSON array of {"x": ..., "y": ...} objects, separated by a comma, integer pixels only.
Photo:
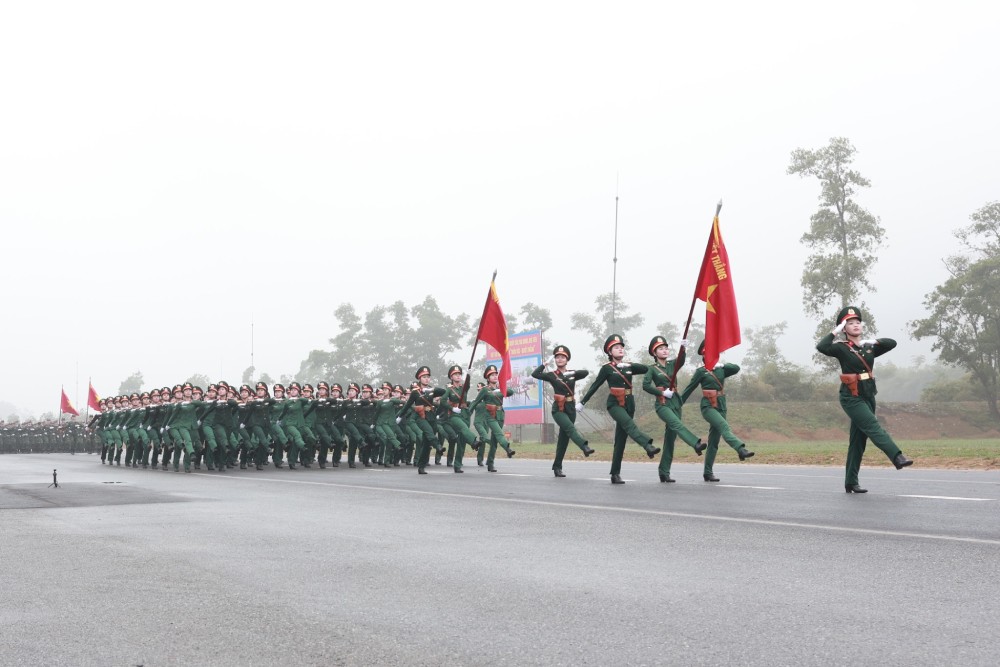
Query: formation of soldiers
[
  {"x": 222, "y": 426},
  {"x": 45, "y": 437}
]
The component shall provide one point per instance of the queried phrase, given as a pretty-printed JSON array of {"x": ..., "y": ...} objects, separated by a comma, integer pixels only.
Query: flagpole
[
  {"x": 86, "y": 411},
  {"x": 62, "y": 392},
  {"x": 694, "y": 300}
]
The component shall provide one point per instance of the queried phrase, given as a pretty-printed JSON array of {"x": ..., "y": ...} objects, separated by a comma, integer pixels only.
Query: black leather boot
[
  {"x": 558, "y": 472},
  {"x": 854, "y": 488},
  {"x": 744, "y": 453},
  {"x": 900, "y": 461},
  {"x": 617, "y": 479}
]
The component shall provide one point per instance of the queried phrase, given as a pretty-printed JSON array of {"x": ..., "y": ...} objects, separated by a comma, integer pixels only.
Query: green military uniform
[
  {"x": 386, "y": 429},
  {"x": 490, "y": 397},
  {"x": 479, "y": 423},
  {"x": 658, "y": 381},
  {"x": 291, "y": 419},
  {"x": 620, "y": 405},
  {"x": 857, "y": 396},
  {"x": 421, "y": 403},
  {"x": 563, "y": 407},
  {"x": 713, "y": 410},
  {"x": 459, "y": 418},
  {"x": 178, "y": 426}
]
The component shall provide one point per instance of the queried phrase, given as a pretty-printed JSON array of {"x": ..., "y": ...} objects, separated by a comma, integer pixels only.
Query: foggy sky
[{"x": 171, "y": 171}]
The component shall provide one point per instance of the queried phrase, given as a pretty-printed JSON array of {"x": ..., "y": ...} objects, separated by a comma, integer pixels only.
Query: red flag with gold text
[{"x": 715, "y": 288}]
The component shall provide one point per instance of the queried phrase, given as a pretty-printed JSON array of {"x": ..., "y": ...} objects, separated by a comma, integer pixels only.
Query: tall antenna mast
[
  {"x": 253, "y": 368},
  {"x": 614, "y": 262}
]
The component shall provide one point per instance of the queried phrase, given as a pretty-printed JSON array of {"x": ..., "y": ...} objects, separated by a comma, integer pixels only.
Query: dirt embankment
[{"x": 801, "y": 421}]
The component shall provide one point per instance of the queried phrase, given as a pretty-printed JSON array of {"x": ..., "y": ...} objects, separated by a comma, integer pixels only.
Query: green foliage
[
  {"x": 133, "y": 383},
  {"x": 603, "y": 323},
  {"x": 962, "y": 389},
  {"x": 390, "y": 343},
  {"x": 199, "y": 380},
  {"x": 843, "y": 237},
  {"x": 964, "y": 312}
]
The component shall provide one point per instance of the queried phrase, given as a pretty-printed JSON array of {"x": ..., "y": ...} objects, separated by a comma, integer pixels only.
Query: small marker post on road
[{"x": 54, "y": 482}]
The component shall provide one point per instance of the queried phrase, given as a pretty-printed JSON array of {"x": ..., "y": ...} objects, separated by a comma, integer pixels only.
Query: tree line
[{"x": 962, "y": 314}]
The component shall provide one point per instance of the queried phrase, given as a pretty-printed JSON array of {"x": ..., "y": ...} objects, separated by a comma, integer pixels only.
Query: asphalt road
[{"x": 772, "y": 566}]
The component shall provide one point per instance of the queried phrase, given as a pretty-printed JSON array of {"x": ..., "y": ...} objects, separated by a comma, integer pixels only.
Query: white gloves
[
  {"x": 685, "y": 342},
  {"x": 840, "y": 327},
  {"x": 579, "y": 407},
  {"x": 868, "y": 341},
  {"x": 243, "y": 425},
  {"x": 399, "y": 420},
  {"x": 457, "y": 411},
  {"x": 199, "y": 422},
  {"x": 548, "y": 362},
  {"x": 668, "y": 393}
]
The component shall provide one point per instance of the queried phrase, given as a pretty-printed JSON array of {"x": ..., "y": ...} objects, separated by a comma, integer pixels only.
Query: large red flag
[
  {"x": 65, "y": 407},
  {"x": 93, "y": 400},
  {"x": 715, "y": 288},
  {"x": 493, "y": 330}
]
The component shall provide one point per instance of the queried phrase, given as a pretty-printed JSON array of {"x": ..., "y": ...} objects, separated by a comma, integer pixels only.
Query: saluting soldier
[
  {"x": 857, "y": 391},
  {"x": 659, "y": 382},
  {"x": 563, "y": 383},
  {"x": 621, "y": 403},
  {"x": 492, "y": 400},
  {"x": 713, "y": 410}
]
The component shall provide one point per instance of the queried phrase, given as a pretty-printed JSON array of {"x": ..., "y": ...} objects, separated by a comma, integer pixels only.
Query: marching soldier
[
  {"x": 454, "y": 401},
  {"x": 478, "y": 410},
  {"x": 713, "y": 410},
  {"x": 563, "y": 383},
  {"x": 857, "y": 392},
  {"x": 491, "y": 399},
  {"x": 658, "y": 382},
  {"x": 421, "y": 402},
  {"x": 621, "y": 403}
]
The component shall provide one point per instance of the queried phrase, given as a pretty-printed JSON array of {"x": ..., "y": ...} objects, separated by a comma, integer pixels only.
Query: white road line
[
  {"x": 607, "y": 479},
  {"x": 630, "y": 510},
  {"x": 741, "y": 486},
  {"x": 946, "y": 498},
  {"x": 512, "y": 474}
]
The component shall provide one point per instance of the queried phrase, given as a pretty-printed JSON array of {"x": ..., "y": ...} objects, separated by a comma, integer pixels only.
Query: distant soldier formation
[{"x": 46, "y": 436}]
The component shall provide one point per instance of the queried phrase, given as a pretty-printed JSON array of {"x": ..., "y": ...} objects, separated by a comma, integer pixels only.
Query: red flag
[
  {"x": 715, "y": 288},
  {"x": 93, "y": 400},
  {"x": 493, "y": 330},
  {"x": 65, "y": 407}
]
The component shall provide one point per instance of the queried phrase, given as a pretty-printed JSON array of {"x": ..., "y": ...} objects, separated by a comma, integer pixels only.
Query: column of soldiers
[
  {"x": 221, "y": 426},
  {"x": 45, "y": 436}
]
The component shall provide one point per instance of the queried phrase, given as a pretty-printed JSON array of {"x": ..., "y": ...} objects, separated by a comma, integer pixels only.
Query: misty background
[{"x": 171, "y": 173}]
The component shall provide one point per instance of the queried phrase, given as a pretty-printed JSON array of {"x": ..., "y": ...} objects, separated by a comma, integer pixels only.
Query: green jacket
[
  {"x": 714, "y": 379},
  {"x": 850, "y": 357},
  {"x": 618, "y": 376}
]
